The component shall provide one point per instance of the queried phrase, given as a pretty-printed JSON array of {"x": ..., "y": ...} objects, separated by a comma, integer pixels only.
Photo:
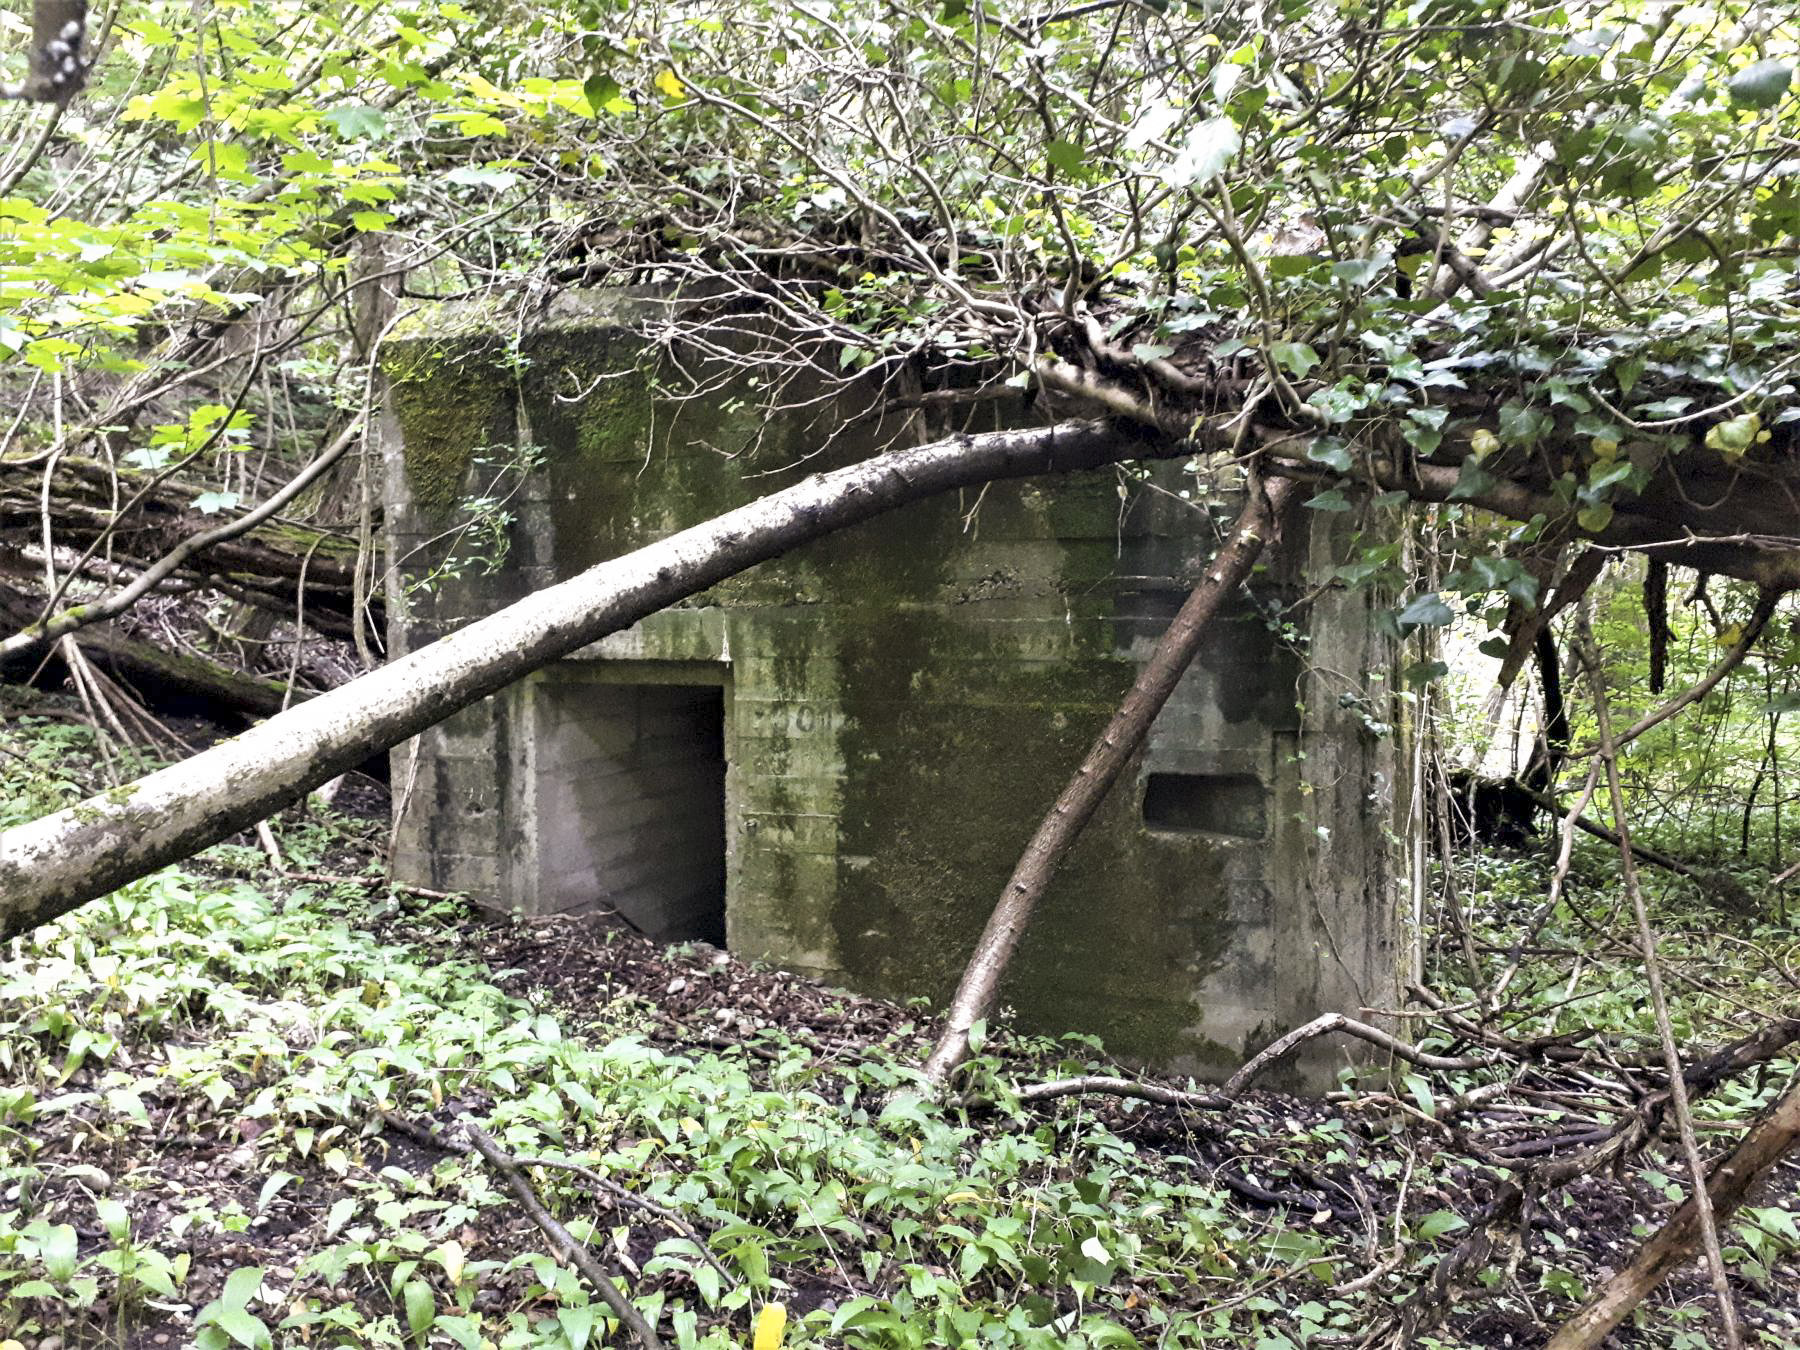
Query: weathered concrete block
[{"x": 833, "y": 760}]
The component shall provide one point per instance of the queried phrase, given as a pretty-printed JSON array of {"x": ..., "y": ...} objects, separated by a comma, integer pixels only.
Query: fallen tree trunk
[
  {"x": 163, "y": 536},
  {"x": 51, "y": 865},
  {"x": 1258, "y": 525},
  {"x": 1728, "y": 1186},
  {"x": 157, "y": 676},
  {"x": 73, "y": 618}
]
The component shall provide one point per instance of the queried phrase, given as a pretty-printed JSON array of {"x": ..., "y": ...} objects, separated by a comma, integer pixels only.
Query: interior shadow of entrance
[{"x": 630, "y": 786}]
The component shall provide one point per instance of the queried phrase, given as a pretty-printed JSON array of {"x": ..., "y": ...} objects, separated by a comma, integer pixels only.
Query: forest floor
[{"x": 230, "y": 1110}]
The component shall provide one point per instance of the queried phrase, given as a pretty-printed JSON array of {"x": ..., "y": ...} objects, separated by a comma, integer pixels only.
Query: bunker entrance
[{"x": 631, "y": 803}]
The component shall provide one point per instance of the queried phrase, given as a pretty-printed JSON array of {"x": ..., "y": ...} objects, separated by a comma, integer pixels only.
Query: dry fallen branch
[
  {"x": 1333, "y": 1022},
  {"x": 34, "y": 637},
  {"x": 1498, "y": 1226},
  {"x": 371, "y": 883},
  {"x": 572, "y": 1251},
  {"x": 1159, "y": 1093},
  {"x": 1727, "y": 1187}
]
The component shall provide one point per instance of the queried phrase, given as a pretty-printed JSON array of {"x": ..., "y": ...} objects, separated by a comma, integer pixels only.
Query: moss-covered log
[
  {"x": 161, "y": 678},
  {"x": 268, "y": 561}
]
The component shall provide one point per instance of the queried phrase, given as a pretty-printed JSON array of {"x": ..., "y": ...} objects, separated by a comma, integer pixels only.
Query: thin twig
[
  {"x": 1659, "y": 1005},
  {"x": 574, "y": 1252},
  {"x": 1159, "y": 1093}
]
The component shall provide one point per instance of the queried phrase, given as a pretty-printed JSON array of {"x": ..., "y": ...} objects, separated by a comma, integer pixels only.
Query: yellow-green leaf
[
  {"x": 771, "y": 1322},
  {"x": 1734, "y": 437}
]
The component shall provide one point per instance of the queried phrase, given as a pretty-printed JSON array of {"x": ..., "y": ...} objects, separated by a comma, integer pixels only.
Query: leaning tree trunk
[
  {"x": 1258, "y": 525},
  {"x": 51, "y": 865}
]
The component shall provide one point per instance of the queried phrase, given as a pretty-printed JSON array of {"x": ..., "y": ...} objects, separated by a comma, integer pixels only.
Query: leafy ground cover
[{"x": 231, "y": 1102}]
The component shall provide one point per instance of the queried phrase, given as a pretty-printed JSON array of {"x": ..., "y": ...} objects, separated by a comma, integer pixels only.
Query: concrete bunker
[{"x": 839, "y": 753}]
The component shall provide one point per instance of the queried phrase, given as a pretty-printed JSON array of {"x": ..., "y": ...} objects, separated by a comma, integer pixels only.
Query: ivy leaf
[
  {"x": 1330, "y": 451},
  {"x": 1605, "y": 473},
  {"x": 1426, "y": 611},
  {"x": 1361, "y": 271},
  {"x": 1596, "y": 518},
  {"x": 1731, "y": 439},
  {"x": 1332, "y": 499},
  {"x": 1065, "y": 157},
  {"x": 210, "y": 504},
  {"x": 1761, "y": 85},
  {"x": 1473, "y": 481},
  {"x": 1295, "y": 357},
  {"x": 1208, "y": 149},
  {"x": 1423, "y": 672},
  {"x": 1522, "y": 424}
]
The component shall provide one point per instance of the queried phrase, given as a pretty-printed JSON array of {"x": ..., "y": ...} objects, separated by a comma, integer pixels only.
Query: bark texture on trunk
[
  {"x": 1679, "y": 1239},
  {"x": 1257, "y": 526},
  {"x": 51, "y": 865}
]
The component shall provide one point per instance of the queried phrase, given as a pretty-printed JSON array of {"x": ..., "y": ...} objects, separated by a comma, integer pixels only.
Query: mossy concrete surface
[{"x": 902, "y": 702}]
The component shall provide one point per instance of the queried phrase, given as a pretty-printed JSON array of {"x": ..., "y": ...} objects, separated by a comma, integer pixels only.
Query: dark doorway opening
[{"x": 631, "y": 804}]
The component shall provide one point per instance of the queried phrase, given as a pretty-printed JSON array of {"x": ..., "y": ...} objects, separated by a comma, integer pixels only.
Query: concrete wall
[{"x": 901, "y": 702}]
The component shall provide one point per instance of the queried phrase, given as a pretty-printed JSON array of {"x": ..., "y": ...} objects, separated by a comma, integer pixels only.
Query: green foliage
[
  {"x": 953, "y": 188},
  {"x": 963, "y": 1231},
  {"x": 281, "y": 1027}
]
